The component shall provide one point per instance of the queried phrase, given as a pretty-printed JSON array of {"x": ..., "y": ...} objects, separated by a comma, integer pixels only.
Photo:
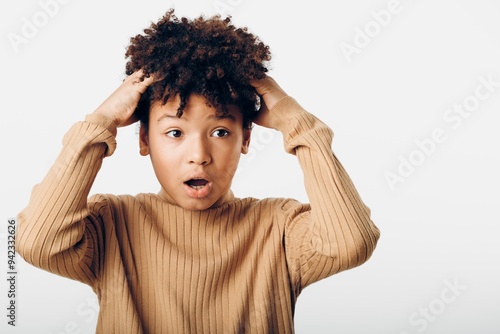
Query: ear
[
  {"x": 246, "y": 140},
  {"x": 143, "y": 141}
]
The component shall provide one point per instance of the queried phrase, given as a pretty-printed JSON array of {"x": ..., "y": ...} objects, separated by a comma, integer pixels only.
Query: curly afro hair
[{"x": 205, "y": 56}]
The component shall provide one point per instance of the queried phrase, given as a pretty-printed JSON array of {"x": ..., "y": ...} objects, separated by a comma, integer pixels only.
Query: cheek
[
  {"x": 228, "y": 157},
  {"x": 162, "y": 155}
]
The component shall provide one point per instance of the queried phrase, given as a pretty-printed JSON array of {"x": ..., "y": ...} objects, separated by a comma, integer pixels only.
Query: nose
[{"x": 199, "y": 151}]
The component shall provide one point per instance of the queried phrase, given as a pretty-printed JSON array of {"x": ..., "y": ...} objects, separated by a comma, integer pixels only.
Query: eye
[
  {"x": 220, "y": 133},
  {"x": 174, "y": 133}
]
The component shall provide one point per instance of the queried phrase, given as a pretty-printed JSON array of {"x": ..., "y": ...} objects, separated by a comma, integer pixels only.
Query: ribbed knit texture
[{"x": 158, "y": 268}]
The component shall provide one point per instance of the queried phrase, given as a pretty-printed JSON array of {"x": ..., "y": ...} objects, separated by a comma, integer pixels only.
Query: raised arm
[
  {"x": 59, "y": 231},
  {"x": 337, "y": 233}
]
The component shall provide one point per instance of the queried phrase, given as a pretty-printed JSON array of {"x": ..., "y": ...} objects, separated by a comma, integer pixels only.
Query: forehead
[{"x": 196, "y": 108}]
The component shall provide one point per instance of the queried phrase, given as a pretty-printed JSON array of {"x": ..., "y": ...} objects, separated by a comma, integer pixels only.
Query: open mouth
[{"x": 196, "y": 183}]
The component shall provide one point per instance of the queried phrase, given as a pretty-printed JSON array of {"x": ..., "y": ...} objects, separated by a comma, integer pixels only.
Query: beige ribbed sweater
[{"x": 158, "y": 268}]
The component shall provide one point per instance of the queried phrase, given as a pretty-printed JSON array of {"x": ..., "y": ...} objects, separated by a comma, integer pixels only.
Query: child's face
[{"x": 195, "y": 156}]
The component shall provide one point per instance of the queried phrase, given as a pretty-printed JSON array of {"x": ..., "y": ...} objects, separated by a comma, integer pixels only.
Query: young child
[{"x": 194, "y": 258}]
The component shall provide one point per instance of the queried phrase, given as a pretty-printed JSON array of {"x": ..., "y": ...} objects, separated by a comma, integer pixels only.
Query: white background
[{"x": 439, "y": 227}]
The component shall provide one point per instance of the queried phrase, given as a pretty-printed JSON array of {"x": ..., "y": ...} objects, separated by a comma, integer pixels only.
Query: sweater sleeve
[
  {"x": 59, "y": 231},
  {"x": 335, "y": 232}
]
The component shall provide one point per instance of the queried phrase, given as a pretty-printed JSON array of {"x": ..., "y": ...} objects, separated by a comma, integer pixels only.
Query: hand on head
[
  {"x": 270, "y": 93},
  {"x": 121, "y": 104}
]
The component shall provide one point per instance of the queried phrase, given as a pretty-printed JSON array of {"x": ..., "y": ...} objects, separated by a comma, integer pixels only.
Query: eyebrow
[
  {"x": 227, "y": 116},
  {"x": 166, "y": 116},
  {"x": 217, "y": 117}
]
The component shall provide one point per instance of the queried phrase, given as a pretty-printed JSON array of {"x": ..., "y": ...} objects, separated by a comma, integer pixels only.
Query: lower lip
[{"x": 198, "y": 193}]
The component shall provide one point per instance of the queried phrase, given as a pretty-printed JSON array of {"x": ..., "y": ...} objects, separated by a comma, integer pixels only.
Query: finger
[
  {"x": 140, "y": 82},
  {"x": 139, "y": 77},
  {"x": 264, "y": 86},
  {"x": 256, "y": 83},
  {"x": 148, "y": 80},
  {"x": 134, "y": 76}
]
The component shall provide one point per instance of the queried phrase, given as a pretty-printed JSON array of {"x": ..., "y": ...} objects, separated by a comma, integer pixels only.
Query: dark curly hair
[{"x": 205, "y": 56}]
